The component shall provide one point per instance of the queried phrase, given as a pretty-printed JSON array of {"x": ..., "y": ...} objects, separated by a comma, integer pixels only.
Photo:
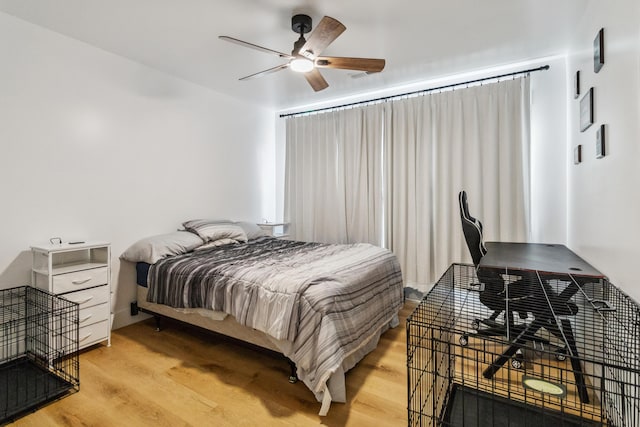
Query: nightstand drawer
[
  {"x": 89, "y": 297},
  {"x": 94, "y": 314},
  {"x": 80, "y": 280},
  {"x": 92, "y": 334}
]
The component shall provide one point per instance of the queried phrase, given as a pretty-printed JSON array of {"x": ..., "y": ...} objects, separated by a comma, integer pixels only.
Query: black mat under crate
[
  {"x": 472, "y": 408},
  {"x": 31, "y": 386}
]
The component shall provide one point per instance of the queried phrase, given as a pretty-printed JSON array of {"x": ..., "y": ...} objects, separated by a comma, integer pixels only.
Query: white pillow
[
  {"x": 211, "y": 230},
  {"x": 153, "y": 248}
]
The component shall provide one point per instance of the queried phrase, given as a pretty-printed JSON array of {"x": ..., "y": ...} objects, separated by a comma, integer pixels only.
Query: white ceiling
[{"x": 420, "y": 39}]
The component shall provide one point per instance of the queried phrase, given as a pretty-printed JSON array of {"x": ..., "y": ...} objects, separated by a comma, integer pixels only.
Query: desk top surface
[{"x": 544, "y": 257}]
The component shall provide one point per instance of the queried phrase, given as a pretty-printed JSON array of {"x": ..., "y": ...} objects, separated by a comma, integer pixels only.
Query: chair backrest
[{"x": 472, "y": 229}]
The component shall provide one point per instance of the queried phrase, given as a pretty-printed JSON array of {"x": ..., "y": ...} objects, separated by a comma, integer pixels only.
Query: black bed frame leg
[
  {"x": 293, "y": 376},
  {"x": 157, "y": 318}
]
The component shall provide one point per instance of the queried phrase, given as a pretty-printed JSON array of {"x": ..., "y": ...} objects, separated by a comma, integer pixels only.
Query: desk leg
[
  {"x": 575, "y": 361},
  {"x": 527, "y": 335}
]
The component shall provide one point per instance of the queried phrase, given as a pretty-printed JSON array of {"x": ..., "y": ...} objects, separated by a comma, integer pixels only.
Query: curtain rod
[{"x": 422, "y": 91}]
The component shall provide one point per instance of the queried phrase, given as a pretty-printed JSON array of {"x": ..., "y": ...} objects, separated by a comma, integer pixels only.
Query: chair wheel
[
  {"x": 464, "y": 340},
  {"x": 517, "y": 361},
  {"x": 475, "y": 324},
  {"x": 561, "y": 355}
]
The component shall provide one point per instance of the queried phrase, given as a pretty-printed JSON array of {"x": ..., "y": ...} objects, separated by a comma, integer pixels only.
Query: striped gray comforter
[{"x": 325, "y": 300}]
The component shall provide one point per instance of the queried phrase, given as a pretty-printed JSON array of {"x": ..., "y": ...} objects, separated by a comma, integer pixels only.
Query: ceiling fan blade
[
  {"x": 255, "y": 46},
  {"x": 370, "y": 65},
  {"x": 265, "y": 72},
  {"x": 316, "y": 80},
  {"x": 326, "y": 31}
]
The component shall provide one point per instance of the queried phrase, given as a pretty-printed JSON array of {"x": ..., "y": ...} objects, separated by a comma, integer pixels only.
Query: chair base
[
  {"x": 497, "y": 329},
  {"x": 525, "y": 336}
]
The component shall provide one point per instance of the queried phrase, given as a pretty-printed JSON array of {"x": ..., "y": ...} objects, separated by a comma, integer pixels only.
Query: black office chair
[
  {"x": 530, "y": 294},
  {"x": 494, "y": 292},
  {"x": 472, "y": 229}
]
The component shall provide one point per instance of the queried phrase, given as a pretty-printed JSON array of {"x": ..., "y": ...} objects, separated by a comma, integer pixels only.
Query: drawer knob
[
  {"x": 86, "y": 318},
  {"x": 84, "y": 300},
  {"x": 85, "y": 337},
  {"x": 80, "y": 281}
]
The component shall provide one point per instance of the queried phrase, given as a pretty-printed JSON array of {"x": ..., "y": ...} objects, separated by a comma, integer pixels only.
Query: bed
[{"x": 323, "y": 306}]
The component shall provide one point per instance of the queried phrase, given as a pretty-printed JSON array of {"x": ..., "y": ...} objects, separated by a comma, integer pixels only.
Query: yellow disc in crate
[{"x": 544, "y": 386}]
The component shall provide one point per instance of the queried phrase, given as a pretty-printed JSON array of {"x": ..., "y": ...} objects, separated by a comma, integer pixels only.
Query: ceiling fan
[{"x": 305, "y": 57}]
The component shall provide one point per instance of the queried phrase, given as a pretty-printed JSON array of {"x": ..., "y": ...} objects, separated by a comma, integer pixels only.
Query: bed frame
[{"x": 214, "y": 321}]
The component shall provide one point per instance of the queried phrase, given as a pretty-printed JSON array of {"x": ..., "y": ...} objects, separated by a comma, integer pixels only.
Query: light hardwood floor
[{"x": 182, "y": 376}]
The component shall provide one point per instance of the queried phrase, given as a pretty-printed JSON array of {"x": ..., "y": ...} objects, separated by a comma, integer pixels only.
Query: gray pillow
[
  {"x": 252, "y": 229},
  {"x": 153, "y": 248},
  {"x": 215, "y": 244},
  {"x": 210, "y": 230}
]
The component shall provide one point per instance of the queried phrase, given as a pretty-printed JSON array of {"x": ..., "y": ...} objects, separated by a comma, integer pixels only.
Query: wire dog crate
[
  {"x": 538, "y": 350},
  {"x": 38, "y": 350}
]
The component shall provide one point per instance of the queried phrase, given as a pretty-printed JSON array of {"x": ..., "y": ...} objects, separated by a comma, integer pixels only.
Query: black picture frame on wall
[
  {"x": 576, "y": 85},
  {"x": 600, "y": 142},
  {"x": 598, "y": 51},
  {"x": 586, "y": 110},
  {"x": 577, "y": 154}
]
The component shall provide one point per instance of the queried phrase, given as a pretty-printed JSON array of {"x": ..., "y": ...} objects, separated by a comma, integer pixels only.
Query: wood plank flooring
[
  {"x": 472, "y": 360},
  {"x": 182, "y": 376}
]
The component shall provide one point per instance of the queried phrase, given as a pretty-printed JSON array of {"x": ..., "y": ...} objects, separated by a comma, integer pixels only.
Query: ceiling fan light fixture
[{"x": 301, "y": 65}]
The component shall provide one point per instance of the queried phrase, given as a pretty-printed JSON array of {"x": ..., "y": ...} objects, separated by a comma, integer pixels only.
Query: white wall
[
  {"x": 603, "y": 194},
  {"x": 94, "y": 146},
  {"x": 548, "y": 154}
]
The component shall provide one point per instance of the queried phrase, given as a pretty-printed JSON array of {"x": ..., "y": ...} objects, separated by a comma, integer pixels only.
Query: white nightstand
[
  {"x": 80, "y": 273},
  {"x": 275, "y": 229}
]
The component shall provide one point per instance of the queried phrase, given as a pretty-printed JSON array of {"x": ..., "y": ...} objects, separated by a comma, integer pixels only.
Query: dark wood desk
[
  {"x": 541, "y": 257},
  {"x": 553, "y": 261}
]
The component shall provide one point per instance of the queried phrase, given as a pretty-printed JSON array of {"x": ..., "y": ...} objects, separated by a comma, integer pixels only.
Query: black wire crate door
[{"x": 38, "y": 350}]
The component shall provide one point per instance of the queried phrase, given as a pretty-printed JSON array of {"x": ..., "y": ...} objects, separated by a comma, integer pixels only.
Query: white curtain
[
  {"x": 409, "y": 180},
  {"x": 389, "y": 174},
  {"x": 474, "y": 139},
  {"x": 333, "y": 176}
]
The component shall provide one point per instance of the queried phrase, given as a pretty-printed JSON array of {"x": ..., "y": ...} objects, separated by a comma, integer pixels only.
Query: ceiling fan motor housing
[{"x": 301, "y": 24}]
